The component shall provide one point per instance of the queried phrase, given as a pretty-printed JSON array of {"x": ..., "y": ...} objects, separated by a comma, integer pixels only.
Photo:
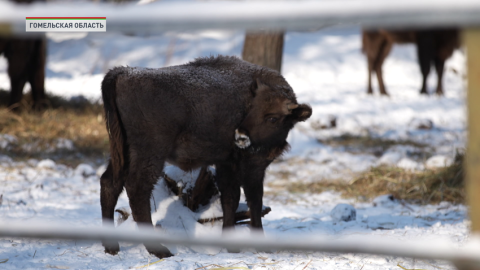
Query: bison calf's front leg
[
  {"x": 253, "y": 188},
  {"x": 229, "y": 187}
]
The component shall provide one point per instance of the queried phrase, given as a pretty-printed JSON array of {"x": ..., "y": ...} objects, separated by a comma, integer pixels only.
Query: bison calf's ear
[
  {"x": 258, "y": 87},
  {"x": 302, "y": 113}
]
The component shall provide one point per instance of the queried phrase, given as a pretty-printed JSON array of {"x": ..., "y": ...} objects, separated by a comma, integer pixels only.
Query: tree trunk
[{"x": 264, "y": 48}]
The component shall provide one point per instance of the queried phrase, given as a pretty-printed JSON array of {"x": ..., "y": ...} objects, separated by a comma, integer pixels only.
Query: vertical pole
[{"x": 471, "y": 39}]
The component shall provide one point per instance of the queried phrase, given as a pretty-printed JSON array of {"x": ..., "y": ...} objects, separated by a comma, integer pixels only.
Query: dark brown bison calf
[
  {"x": 434, "y": 46},
  {"x": 218, "y": 110}
]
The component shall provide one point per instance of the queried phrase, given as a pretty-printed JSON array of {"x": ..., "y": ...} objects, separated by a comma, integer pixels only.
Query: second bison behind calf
[{"x": 216, "y": 110}]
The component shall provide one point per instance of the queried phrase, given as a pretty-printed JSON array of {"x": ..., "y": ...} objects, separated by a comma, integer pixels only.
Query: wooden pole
[
  {"x": 264, "y": 48},
  {"x": 472, "y": 43},
  {"x": 471, "y": 38}
]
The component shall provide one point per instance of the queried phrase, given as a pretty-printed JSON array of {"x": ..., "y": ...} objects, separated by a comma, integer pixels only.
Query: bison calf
[
  {"x": 217, "y": 110},
  {"x": 434, "y": 46}
]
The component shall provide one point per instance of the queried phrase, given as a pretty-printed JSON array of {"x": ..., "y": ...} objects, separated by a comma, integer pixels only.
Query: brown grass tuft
[
  {"x": 80, "y": 121},
  {"x": 424, "y": 187},
  {"x": 373, "y": 145}
]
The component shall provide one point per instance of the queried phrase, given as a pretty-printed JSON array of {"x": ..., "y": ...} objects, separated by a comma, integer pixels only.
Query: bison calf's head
[{"x": 269, "y": 119}]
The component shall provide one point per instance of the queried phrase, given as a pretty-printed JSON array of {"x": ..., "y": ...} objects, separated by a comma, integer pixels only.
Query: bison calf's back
[{"x": 190, "y": 115}]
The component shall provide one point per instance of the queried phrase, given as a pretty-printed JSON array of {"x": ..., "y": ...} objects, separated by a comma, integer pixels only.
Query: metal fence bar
[
  {"x": 287, "y": 15},
  {"x": 371, "y": 245}
]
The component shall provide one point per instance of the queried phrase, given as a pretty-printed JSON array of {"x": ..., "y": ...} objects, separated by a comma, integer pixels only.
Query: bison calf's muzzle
[{"x": 218, "y": 111}]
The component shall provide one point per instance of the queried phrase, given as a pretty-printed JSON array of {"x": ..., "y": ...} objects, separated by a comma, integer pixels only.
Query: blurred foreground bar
[{"x": 252, "y": 15}]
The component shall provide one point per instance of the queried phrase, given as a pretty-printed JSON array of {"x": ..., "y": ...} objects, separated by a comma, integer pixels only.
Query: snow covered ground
[
  {"x": 327, "y": 70},
  {"x": 44, "y": 191}
]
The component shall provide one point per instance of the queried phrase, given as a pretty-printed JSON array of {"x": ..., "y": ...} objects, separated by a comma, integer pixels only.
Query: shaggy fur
[
  {"x": 434, "y": 46},
  {"x": 187, "y": 115}
]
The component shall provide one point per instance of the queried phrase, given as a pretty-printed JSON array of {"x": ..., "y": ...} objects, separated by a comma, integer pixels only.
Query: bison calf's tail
[{"x": 113, "y": 122}]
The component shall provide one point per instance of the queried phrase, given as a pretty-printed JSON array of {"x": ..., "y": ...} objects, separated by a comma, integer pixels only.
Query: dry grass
[
  {"x": 79, "y": 121},
  {"x": 424, "y": 187},
  {"x": 373, "y": 145}
]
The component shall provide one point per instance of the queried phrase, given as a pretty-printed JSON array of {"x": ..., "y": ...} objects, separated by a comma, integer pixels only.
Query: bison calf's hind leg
[
  {"x": 139, "y": 190},
  {"x": 109, "y": 192}
]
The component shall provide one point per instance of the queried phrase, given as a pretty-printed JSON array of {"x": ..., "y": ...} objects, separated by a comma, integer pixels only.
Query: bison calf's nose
[{"x": 241, "y": 140}]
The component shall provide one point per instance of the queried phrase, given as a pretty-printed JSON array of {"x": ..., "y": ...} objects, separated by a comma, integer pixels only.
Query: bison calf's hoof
[
  {"x": 233, "y": 250},
  {"x": 111, "y": 248},
  {"x": 241, "y": 140},
  {"x": 160, "y": 252}
]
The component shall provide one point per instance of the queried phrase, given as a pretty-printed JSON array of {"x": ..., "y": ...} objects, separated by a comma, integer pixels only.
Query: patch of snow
[
  {"x": 409, "y": 164},
  {"x": 101, "y": 170},
  {"x": 6, "y": 140},
  {"x": 84, "y": 170},
  {"x": 46, "y": 163},
  {"x": 387, "y": 201},
  {"x": 418, "y": 123},
  {"x": 343, "y": 212},
  {"x": 390, "y": 158},
  {"x": 438, "y": 161},
  {"x": 62, "y": 143}
]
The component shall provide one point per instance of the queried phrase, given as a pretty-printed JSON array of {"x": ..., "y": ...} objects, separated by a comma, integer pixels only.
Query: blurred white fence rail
[
  {"x": 436, "y": 250},
  {"x": 288, "y": 15}
]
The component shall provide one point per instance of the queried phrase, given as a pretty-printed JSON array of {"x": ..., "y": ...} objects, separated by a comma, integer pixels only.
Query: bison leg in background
[
  {"x": 17, "y": 83},
  {"x": 139, "y": 187},
  {"x": 26, "y": 62},
  {"x": 370, "y": 44},
  {"x": 370, "y": 71},
  {"x": 425, "y": 53},
  {"x": 109, "y": 192},
  {"x": 37, "y": 73},
  {"x": 18, "y": 71},
  {"x": 376, "y": 47},
  {"x": 383, "y": 52},
  {"x": 439, "y": 66}
]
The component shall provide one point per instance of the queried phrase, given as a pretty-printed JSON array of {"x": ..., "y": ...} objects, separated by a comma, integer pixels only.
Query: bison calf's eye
[{"x": 272, "y": 120}]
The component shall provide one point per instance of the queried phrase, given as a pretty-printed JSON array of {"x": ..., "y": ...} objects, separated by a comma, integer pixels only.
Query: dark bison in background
[
  {"x": 217, "y": 110},
  {"x": 434, "y": 46},
  {"x": 26, "y": 63}
]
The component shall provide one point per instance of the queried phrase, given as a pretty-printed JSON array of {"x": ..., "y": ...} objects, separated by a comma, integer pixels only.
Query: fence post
[{"x": 471, "y": 38}]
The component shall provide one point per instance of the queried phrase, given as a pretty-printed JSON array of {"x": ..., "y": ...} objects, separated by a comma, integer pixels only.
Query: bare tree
[{"x": 264, "y": 48}]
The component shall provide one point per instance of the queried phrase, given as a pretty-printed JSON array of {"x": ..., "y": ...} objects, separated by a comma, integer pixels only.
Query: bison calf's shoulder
[{"x": 216, "y": 110}]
